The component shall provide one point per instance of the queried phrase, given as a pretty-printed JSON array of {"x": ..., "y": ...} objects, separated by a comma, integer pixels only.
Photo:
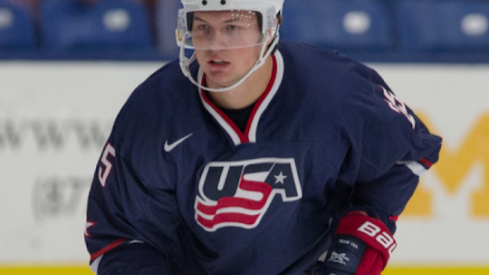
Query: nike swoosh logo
[{"x": 169, "y": 147}]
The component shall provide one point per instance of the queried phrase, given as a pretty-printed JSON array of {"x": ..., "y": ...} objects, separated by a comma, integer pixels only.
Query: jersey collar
[{"x": 249, "y": 136}]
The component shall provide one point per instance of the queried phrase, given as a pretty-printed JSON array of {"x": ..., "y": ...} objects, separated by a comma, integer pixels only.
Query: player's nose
[{"x": 217, "y": 41}]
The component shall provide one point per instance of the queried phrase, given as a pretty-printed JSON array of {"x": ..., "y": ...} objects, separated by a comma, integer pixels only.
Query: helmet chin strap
[{"x": 185, "y": 65}]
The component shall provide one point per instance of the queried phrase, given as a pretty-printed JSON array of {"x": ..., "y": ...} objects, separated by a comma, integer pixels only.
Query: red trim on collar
[
  {"x": 221, "y": 113},
  {"x": 244, "y": 137},
  {"x": 263, "y": 96}
]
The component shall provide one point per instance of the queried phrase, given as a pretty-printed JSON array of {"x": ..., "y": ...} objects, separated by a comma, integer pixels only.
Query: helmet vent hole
[
  {"x": 204, "y": 2},
  {"x": 223, "y": 2}
]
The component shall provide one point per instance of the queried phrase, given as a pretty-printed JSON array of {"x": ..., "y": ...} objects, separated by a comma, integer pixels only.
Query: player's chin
[{"x": 221, "y": 79}]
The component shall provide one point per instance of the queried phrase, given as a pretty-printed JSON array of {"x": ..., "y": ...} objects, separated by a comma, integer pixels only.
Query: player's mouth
[{"x": 218, "y": 63}]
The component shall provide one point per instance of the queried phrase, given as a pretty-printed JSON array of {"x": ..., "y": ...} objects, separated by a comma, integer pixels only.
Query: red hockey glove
[{"x": 362, "y": 246}]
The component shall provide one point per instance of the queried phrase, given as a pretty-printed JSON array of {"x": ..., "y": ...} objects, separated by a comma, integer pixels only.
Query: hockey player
[{"x": 259, "y": 159}]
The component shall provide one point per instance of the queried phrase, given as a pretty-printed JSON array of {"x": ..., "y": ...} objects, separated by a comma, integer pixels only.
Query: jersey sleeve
[
  {"x": 395, "y": 150},
  {"x": 133, "y": 222}
]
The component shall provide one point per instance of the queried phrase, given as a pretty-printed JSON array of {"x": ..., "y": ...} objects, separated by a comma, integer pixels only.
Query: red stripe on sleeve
[
  {"x": 106, "y": 249},
  {"x": 426, "y": 162}
]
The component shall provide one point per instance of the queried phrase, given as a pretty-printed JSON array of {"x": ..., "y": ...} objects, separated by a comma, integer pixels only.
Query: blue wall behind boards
[{"x": 446, "y": 31}]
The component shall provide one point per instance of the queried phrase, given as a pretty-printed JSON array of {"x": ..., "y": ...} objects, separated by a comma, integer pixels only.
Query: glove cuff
[{"x": 371, "y": 231}]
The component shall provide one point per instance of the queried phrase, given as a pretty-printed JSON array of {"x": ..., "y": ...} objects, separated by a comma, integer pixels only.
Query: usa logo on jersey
[{"x": 238, "y": 194}]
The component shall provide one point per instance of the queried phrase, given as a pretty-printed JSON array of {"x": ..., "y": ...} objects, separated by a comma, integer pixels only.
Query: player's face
[{"x": 227, "y": 45}]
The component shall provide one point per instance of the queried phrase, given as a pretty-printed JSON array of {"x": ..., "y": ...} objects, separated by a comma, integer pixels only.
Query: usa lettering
[
  {"x": 225, "y": 180},
  {"x": 383, "y": 238},
  {"x": 239, "y": 193}
]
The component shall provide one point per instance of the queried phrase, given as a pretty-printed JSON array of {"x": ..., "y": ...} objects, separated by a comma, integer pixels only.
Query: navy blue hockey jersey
[{"x": 179, "y": 180}]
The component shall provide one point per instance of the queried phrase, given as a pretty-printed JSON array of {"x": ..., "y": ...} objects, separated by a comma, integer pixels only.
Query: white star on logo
[{"x": 280, "y": 178}]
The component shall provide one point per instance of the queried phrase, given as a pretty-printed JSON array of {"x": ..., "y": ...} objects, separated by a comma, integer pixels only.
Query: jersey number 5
[{"x": 103, "y": 174}]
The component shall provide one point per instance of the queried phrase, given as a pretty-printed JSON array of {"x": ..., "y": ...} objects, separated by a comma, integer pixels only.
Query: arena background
[{"x": 59, "y": 95}]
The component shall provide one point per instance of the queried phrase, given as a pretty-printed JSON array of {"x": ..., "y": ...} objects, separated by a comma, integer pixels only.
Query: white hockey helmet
[
  {"x": 266, "y": 12},
  {"x": 216, "y": 5}
]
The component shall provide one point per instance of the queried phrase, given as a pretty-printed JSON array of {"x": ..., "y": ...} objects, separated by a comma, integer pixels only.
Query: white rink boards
[{"x": 55, "y": 116}]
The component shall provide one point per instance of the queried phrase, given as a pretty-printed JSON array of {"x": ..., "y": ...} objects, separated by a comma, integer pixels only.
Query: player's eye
[
  {"x": 202, "y": 27},
  {"x": 232, "y": 28}
]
